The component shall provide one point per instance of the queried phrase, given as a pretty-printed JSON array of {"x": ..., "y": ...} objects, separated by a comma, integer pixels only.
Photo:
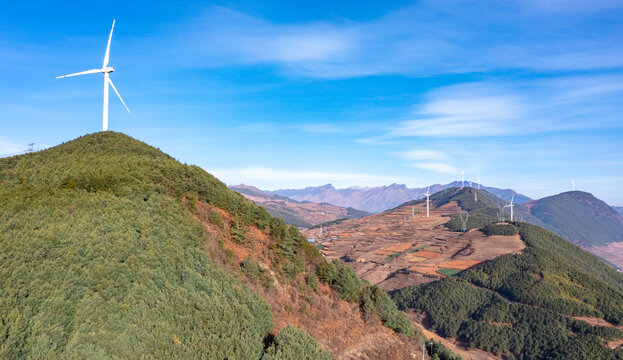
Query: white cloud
[
  {"x": 424, "y": 39},
  {"x": 440, "y": 168},
  {"x": 523, "y": 107}
]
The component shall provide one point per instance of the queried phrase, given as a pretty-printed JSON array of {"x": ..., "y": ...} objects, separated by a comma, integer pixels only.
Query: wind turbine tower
[
  {"x": 106, "y": 70},
  {"x": 476, "y": 192},
  {"x": 427, "y": 200},
  {"x": 573, "y": 184},
  {"x": 511, "y": 206},
  {"x": 462, "y": 178}
]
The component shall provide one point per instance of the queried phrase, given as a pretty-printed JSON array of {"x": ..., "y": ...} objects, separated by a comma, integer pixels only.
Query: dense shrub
[
  {"x": 377, "y": 301},
  {"x": 474, "y": 221},
  {"x": 312, "y": 281},
  {"x": 372, "y": 300},
  {"x": 500, "y": 229},
  {"x": 238, "y": 232},
  {"x": 215, "y": 218},
  {"x": 294, "y": 344},
  {"x": 438, "y": 351},
  {"x": 253, "y": 270}
]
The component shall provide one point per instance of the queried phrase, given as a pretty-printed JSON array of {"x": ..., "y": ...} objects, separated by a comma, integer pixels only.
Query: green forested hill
[
  {"x": 521, "y": 304},
  {"x": 487, "y": 204},
  {"x": 577, "y": 216},
  {"x": 100, "y": 258}
]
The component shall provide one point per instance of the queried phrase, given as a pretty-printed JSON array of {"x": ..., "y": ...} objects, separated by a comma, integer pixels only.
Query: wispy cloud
[
  {"x": 440, "y": 168},
  {"x": 424, "y": 39},
  {"x": 422, "y": 155},
  {"x": 522, "y": 107}
]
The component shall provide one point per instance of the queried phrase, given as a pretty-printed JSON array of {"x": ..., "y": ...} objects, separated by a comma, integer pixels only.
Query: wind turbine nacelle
[{"x": 109, "y": 69}]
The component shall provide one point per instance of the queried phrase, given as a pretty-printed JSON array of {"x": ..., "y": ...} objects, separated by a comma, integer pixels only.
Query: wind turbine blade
[
  {"x": 93, "y": 71},
  {"x": 108, "y": 47},
  {"x": 117, "y": 92}
]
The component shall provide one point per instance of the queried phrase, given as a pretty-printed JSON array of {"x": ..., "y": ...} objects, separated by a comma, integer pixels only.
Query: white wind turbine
[
  {"x": 476, "y": 192},
  {"x": 573, "y": 184},
  {"x": 462, "y": 178},
  {"x": 427, "y": 200},
  {"x": 106, "y": 70},
  {"x": 511, "y": 206}
]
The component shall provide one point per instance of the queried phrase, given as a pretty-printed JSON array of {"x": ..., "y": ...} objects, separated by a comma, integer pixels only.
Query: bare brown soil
[
  {"x": 614, "y": 344},
  {"x": 612, "y": 252},
  {"x": 337, "y": 325},
  {"x": 395, "y": 249},
  {"x": 597, "y": 321}
]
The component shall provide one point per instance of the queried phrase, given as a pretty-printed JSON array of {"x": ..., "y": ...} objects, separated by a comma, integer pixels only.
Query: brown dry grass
[{"x": 336, "y": 325}]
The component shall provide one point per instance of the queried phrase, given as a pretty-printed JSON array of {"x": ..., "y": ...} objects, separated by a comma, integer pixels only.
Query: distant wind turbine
[
  {"x": 462, "y": 178},
  {"x": 573, "y": 184},
  {"x": 476, "y": 192},
  {"x": 511, "y": 206},
  {"x": 106, "y": 70},
  {"x": 427, "y": 200}
]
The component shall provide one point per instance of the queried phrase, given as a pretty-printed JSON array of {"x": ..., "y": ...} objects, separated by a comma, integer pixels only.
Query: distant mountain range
[
  {"x": 302, "y": 214},
  {"x": 377, "y": 199},
  {"x": 618, "y": 209}
]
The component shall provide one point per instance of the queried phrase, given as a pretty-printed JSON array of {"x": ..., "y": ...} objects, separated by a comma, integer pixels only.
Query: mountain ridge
[
  {"x": 378, "y": 199},
  {"x": 303, "y": 214}
]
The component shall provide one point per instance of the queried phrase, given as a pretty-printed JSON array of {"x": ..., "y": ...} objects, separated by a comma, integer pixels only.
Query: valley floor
[{"x": 395, "y": 249}]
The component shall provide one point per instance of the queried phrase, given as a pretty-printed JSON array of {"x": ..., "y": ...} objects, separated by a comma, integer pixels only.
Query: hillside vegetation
[
  {"x": 521, "y": 304},
  {"x": 577, "y": 216},
  {"x": 101, "y": 256}
]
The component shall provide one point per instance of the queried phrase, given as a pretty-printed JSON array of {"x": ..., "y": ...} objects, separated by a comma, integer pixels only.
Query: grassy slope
[
  {"x": 551, "y": 279},
  {"x": 99, "y": 257}
]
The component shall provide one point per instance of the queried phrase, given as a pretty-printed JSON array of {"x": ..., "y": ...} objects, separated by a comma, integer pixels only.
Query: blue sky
[{"x": 292, "y": 94}]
